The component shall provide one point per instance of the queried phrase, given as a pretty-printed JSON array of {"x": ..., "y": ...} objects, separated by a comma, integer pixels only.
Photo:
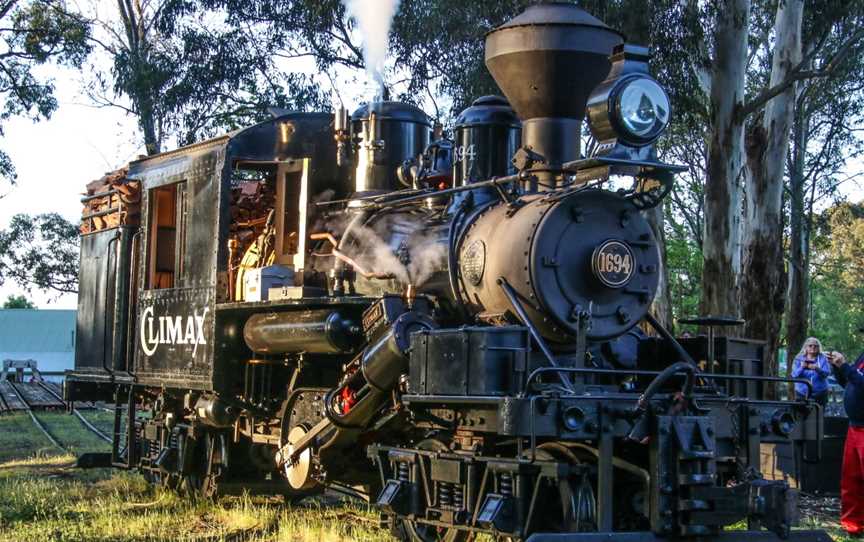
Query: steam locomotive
[{"x": 451, "y": 328}]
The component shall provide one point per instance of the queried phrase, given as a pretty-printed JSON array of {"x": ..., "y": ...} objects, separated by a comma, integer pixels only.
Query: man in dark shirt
[{"x": 851, "y": 377}]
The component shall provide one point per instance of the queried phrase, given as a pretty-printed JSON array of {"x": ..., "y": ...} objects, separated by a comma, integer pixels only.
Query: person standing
[
  {"x": 813, "y": 365},
  {"x": 851, "y": 377}
]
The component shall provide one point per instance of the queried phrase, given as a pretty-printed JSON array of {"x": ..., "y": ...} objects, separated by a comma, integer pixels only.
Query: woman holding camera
[{"x": 813, "y": 365}]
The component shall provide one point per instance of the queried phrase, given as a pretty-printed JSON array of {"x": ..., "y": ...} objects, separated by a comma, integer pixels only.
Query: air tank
[
  {"x": 386, "y": 134},
  {"x": 486, "y": 136},
  {"x": 311, "y": 331}
]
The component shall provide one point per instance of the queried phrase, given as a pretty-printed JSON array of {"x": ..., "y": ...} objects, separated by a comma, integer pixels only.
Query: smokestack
[{"x": 547, "y": 61}]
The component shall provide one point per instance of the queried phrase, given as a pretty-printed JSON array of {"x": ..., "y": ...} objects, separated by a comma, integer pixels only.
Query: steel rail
[
  {"x": 91, "y": 427},
  {"x": 36, "y": 421},
  {"x": 4, "y": 405},
  {"x": 78, "y": 414}
]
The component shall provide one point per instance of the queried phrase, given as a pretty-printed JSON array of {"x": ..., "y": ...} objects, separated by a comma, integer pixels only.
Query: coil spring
[
  {"x": 403, "y": 471},
  {"x": 445, "y": 493},
  {"x": 505, "y": 484},
  {"x": 458, "y": 497}
]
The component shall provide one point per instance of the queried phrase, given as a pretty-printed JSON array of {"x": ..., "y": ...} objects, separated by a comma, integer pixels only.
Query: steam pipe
[
  {"x": 511, "y": 295},
  {"x": 662, "y": 378},
  {"x": 422, "y": 194},
  {"x": 683, "y": 354},
  {"x": 629, "y": 372},
  {"x": 639, "y": 411},
  {"x": 336, "y": 253},
  {"x": 381, "y": 365}
]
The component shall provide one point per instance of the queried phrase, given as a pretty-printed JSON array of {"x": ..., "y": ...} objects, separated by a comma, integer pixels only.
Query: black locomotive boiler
[{"x": 449, "y": 328}]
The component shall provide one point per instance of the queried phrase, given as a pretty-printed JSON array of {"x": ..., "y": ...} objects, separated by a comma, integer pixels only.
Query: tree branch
[{"x": 800, "y": 74}]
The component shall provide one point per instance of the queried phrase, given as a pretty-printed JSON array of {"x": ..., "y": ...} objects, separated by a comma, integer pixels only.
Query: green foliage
[
  {"x": 838, "y": 278},
  {"x": 40, "y": 252},
  {"x": 188, "y": 76},
  {"x": 33, "y": 33},
  {"x": 684, "y": 264},
  {"x": 18, "y": 302},
  {"x": 835, "y": 320}
]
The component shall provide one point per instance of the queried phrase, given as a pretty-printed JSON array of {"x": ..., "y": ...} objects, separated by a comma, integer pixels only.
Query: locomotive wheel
[
  {"x": 411, "y": 531},
  {"x": 209, "y": 468},
  {"x": 560, "y": 506}
]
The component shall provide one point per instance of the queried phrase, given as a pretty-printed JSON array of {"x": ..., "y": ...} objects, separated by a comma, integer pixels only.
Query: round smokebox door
[{"x": 593, "y": 252}]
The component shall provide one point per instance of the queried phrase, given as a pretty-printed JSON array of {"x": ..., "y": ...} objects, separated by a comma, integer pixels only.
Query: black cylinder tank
[
  {"x": 486, "y": 136},
  {"x": 387, "y": 133},
  {"x": 311, "y": 331}
]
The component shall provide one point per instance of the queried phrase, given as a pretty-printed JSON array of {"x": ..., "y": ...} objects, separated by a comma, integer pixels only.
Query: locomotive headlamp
[
  {"x": 629, "y": 108},
  {"x": 642, "y": 109}
]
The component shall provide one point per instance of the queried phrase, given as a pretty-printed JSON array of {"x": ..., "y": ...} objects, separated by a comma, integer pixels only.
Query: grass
[
  {"x": 71, "y": 433},
  {"x": 44, "y": 499},
  {"x": 20, "y": 438}
]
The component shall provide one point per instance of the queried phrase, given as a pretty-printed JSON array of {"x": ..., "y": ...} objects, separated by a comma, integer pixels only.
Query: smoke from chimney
[{"x": 374, "y": 18}]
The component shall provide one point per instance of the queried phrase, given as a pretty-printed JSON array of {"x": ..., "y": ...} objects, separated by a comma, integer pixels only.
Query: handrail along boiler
[{"x": 447, "y": 327}]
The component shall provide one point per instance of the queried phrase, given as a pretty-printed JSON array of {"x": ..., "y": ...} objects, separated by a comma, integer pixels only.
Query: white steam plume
[{"x": 373, "y": 19}]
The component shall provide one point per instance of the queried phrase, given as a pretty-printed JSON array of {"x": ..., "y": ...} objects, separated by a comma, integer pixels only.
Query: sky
[{"x": 56, "y": 158}]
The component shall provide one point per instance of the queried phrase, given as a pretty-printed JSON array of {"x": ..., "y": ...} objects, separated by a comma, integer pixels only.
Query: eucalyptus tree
[
  {"x": 186, "y": 78},
  {"x": 826, "y": 137},
  {"x": 771, "y": 119},
  {"x": 763, "y": 280}
]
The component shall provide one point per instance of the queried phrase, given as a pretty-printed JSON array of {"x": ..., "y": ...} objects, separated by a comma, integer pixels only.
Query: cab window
[{"x": 166, "y": 239}]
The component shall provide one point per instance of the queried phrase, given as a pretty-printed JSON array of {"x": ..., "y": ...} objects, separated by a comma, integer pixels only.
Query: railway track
[
  {"x": 78, "y": 414},
  {"x": 16, "y": 392},
  {"x": 28, "y": 397}
]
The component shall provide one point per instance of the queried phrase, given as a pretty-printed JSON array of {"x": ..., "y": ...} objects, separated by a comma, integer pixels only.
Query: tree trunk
[
  {"x": 721, "y": 239},
  {"x": 140, "y": 89},
  {"x": 797, "y": 317},
  {"x": 661, "y": 308},
  {"x": 147, "y": 121},
  {"x": 763, "y": 282}
]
